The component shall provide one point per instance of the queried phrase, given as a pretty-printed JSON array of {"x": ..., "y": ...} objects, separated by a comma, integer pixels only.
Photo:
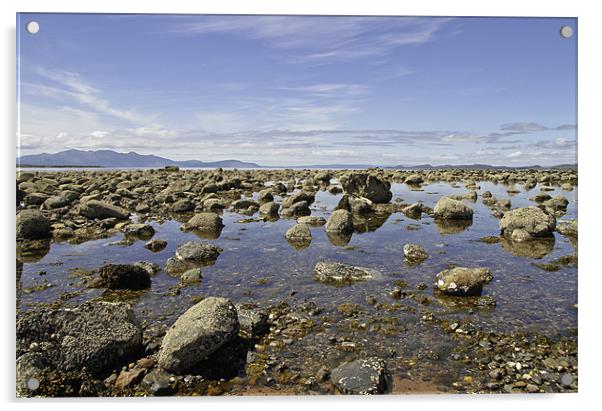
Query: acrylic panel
[{"x": 295, "y": 205}]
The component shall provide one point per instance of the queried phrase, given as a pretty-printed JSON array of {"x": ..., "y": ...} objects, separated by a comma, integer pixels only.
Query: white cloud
[{"x": 514, "y": 154}]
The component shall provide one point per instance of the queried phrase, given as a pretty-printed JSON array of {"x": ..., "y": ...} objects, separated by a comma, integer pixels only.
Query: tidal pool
[{"x": 258, "y": 265}]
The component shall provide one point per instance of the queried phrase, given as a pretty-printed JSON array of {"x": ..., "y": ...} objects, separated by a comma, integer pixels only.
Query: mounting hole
[
  {"x": 566, "y": 32},
  {"x": 33, "y": 384},
  {"x": 32, "y": 27}
]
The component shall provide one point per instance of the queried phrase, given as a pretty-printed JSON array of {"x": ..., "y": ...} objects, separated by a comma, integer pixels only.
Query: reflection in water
[
  {"x": 339, "y": 239},
  {"x": 535, "y": 248},
  {"x": 207, "y": 234},
  {"x": 451, "y": 226},
  {"x": 369, "y": 222},
  {"x": 299, "y": 244},
  {"x": 32, "y": 251}
]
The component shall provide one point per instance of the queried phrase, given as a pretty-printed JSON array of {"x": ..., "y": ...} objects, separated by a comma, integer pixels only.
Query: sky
[{"x": 300, "y": 90}]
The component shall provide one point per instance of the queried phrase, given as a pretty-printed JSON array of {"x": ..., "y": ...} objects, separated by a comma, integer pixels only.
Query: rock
[
  {"x": 198, "y": 333},
  {"x": 157, "y": 382},
  {"x": 462, "y": 281},
  {"x": 139, "y": 230},
  {"x": 330, "y": 271},
  {"x": 265, "y": 196},
  {"x": 55, "y": 202},
  {"x": 568, "y": 228},
  {"x": 200, "y": 251},
  {"x": 414, "y": 179},
  {"x": 300, "y": 208},
  {"x": 182, "y": 206},
  {"x": 341, "y": 221},
  {"x": 304, "y": 196},
  {"x": 270, "y": 209},
  {"x": 323, "y": 177},
  {"x": 98, "y": 209},
  {"x": 30, "y": 367},
  {"x": 35, "y": 198},
  {"x": 368, "y": 376},
  {"x": 566, "y": 380},
  {"x": 155, "y": 245},
  {"x": 299, "y": 233},
  {"x": 127, "y": 379},
  {"x": 558, "y": 203},
  {"x": 253, "y": 321},
  {"x": 312, "y": 220},
  {"x": 32, "y": 225},
  {"x": 208, "y": 222},
  {"x": 413, "y": 211},
  {"x": 370, "y": 186},
  {"x": 244, "y": 204},
  {"x": 96, "y": 335},
  {"x": 414, "y": 253},
  {"x": 123, "y": 277},
  {"x": 150, "y": 268},
  {"x": 449, "y": 209},
  {"x": 525, "y": 223},
  {"x": 193, "y": 275}
]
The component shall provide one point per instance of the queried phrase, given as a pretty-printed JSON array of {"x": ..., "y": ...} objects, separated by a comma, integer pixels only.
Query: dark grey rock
[{"x": 361, "y": 377}]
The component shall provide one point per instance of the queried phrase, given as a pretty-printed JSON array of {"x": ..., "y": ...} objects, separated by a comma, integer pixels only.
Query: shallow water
[{"x": 258, "y": 265}]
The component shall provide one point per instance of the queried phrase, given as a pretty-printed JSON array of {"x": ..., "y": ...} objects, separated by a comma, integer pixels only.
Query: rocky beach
[{"x": 169, "y": 281}]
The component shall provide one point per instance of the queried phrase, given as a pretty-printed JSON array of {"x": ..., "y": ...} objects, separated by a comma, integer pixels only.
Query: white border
[{"x": 590, "y": 70}]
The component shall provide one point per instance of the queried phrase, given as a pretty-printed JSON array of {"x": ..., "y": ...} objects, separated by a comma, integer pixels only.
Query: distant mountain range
[{"x": 109, "y": 158}]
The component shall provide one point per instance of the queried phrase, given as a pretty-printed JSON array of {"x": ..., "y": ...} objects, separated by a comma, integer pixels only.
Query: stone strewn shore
[{"x": 218, "y": 346}]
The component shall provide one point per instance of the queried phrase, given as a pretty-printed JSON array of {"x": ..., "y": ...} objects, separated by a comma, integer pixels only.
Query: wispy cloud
[
  {"x": 318, "y": 38},
  {"x": 71, "y": 87}
]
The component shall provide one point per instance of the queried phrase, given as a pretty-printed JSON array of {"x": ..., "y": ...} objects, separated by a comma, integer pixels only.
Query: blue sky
[{"x": 291, "y": 90}]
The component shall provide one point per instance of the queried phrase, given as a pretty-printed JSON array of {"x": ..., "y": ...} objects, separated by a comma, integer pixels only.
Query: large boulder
[
  {"x": 341, "y": 221},
  {"x": 297, "y": 197},
  {"x": 32, "y": 225},
  {"x": 462, "y": 281},
  {"x": 198, "y": 333},
  {"x": 526, "y": 223},
  {"x": 370, "y": 186},
  {"x": 361, "y": 377},
  {"x": 333, "y": 272},
  {"x": 95, "y": 335},
  {"x": 99, "y": 209},
  {"x": 450, "y": 209},
  {"x": 269, "y": 209}
]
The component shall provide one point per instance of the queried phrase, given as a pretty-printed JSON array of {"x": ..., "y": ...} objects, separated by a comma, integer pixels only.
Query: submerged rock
[
  {"x": 447, "y": 208},
  {"x": 414, "y": 253},
  {"x": 526, "y": 223},
  {"x": 95, "y": 335},
  {"x": 363, "y": 377},
  {"x": 123, "y": 277},
  {"x": 462, "y": 281},
  {"x": 32, "y": 225},
  {"x": 198, "y": 333},
  {"x": 330, "y": 271}
]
